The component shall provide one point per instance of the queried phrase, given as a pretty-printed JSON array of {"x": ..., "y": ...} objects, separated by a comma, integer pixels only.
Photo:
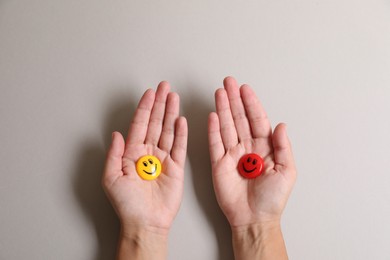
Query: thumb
[
  {"x": 284, "y": 158},
  {"x": 113, "y": 167}
]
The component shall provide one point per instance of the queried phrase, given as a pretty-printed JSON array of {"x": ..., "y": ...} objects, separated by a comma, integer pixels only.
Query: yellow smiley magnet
[{"x": 148, "y": 167}]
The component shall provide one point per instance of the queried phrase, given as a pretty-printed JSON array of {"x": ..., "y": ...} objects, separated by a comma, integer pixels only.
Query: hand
[
  {"x": 241, "y": 126},
  {"x": 155, "y": 130}
]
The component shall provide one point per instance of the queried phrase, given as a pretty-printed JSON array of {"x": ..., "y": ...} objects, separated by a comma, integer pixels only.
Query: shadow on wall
[
  {"x": 87, "y": 179},
  {"x": 196, "y": 110}
]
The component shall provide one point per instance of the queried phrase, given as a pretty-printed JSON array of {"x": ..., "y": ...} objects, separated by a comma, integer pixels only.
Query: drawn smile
[
  {"x": 150, "y": 173},
  {"x": 248, "y": 171}
]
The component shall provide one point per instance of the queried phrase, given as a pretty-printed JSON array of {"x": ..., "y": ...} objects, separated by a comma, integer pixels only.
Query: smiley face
[
  {"x": 148, "y": 167},
  {"x": 250, "y": 165}
]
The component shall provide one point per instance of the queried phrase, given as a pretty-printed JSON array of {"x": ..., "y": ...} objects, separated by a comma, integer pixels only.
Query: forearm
[
  {"x": 140, "y": 243},
  {"x": 259, "y": 242}
]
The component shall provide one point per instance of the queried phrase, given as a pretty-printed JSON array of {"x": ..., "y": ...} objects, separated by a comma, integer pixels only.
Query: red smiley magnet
[{"x": 250, "y": 165}]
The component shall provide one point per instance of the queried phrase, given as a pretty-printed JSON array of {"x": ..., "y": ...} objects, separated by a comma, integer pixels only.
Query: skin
[
  {"x": 253, "y": 207},
  {"x": 146, "y": 209}
]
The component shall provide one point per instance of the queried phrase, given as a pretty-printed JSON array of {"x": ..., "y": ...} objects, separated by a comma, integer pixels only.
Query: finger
[
  {"x": 139, "y": 125},
  {"x": 237, "y": 108},
  {"x": 216, "y": 147},
  {"x": 157, "y": 115},
  {"x": 171, "y": 115},
  {"x": 282, "y": 148},
  {"x": 179, "y": 149},
  {"x": 226, "y": 123},
  {"x": 113, "y": 168},
  {"x": 257, "y": 116}
]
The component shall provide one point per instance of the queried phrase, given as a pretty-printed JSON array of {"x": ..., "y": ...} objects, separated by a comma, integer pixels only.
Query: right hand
[{"x": 241, "y": 126}]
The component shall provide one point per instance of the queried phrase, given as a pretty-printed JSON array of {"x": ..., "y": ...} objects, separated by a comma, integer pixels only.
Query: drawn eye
[
  {"x": 249, "y": 160},
  {"x": 150, "y": 161},
  {"x": 254, "y": 162},
  {"x": 145, "y": 164}
]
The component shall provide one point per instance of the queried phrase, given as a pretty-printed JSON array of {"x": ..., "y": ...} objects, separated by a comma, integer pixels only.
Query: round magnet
[
  {"x": 148, "y": 167},
  {"x": 250, "y": 165}
]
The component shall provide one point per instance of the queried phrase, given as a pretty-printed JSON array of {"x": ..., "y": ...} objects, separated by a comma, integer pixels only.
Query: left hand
[{"x": 155, "y": 130}]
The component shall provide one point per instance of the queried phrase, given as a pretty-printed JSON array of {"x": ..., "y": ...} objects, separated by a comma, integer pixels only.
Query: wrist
[
  {"x": 256, "y": 232},
  {"x": 262, "y": 240},
  {"x": 143, "y": 242},
  {"x": 144, "y": 233}
]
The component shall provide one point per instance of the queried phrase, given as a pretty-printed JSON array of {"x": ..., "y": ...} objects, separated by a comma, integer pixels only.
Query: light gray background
[{"x": 71, "y": 72}]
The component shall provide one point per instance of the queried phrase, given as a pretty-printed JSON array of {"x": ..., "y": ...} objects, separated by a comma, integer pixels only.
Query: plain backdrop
[{"x": 71, "y": 72}]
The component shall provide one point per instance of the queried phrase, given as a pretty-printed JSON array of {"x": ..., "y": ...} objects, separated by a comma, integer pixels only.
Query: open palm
[
  {"x": 240, "y": 126},
  {"x": 156, "y": 130}
]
